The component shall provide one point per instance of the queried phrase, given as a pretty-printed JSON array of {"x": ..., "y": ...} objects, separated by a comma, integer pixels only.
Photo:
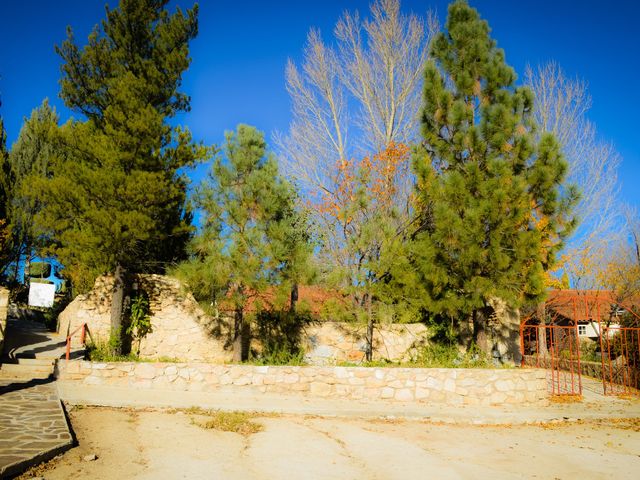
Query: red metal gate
[
  {"x": 557, "y": 349},
  {"x": 620, "y": 360},
  {"x": 550, "y": 339}
]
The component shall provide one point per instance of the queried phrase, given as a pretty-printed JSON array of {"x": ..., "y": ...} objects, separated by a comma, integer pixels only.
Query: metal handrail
[{"x": 83, "y": 332}]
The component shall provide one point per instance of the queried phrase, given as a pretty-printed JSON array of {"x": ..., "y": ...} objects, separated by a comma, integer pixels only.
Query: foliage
[
  {"x": 115, "y": 195},
  {"x": 29, "y": 161},
  {"x": 368, "y": 209},
  {"x": 5, "y": 189},
  {"x": 354, "y": 111},
  {"x": 279, "y": 356},
  {"x": 437, "y": 355},
  {"x": 102, "y": 351},
  {"x": 589, "y": 351},
  {"x": 39, "y": 269},
  {"x": 279, "y": 331},
  {"x": 491, "y": 215},
  {"x": 139, "y": 319},
  {"x": 449, "y": 356},
  {"x": 621, "y": 271},
  {"x": 252, "y": 236}
]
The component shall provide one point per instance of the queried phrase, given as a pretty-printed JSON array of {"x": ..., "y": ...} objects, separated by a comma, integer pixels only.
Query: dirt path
[{"x": 152, "y": 445}]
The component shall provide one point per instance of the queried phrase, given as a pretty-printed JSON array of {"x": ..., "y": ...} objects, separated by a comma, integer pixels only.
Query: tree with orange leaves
[{"x": 365, "y": 217}]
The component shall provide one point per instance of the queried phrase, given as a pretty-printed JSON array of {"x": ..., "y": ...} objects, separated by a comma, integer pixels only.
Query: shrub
[
  {"x": 101, "y": 351},
  {"x": 449, "y": 356}
]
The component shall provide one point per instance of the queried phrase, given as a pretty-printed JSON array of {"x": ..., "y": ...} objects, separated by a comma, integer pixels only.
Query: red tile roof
[
  {"x": 312, "y": 297},
  {"x": 581, "y": 305}
]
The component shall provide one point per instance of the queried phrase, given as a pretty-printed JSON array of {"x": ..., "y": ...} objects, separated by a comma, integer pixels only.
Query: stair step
[
  {"x": 25, "y": 370},
  {"x": 36, "y": 361},
  {"x": 22, "y": 375}
]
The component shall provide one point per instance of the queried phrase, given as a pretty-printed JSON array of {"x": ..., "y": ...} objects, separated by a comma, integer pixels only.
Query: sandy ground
[{"x": 143, "y": 444}]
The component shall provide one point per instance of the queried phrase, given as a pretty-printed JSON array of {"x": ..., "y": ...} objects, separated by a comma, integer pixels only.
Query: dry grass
[
  {"x": 236, "y": 422},
  {"x": 564, "y": 398}
]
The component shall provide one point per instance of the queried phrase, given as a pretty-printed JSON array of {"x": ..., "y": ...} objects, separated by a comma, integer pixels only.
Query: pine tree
[
  {"x": 5, "y": 189},
  {"x": 115, "y": 201},
  {"x": 29, "y": 160},
  {"x": 493, "y": 211},
  {"x": 252, "y": 237}
]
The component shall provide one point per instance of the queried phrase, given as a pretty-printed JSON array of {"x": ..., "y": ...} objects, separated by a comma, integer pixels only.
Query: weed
[
  {"x": 103, "y": 352},
  {"x": 236, "y": 422}
]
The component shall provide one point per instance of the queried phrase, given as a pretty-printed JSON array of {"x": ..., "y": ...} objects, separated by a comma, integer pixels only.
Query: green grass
[
  {"x": 436, "y": 356},
  {"x": 101, "y": 352}
]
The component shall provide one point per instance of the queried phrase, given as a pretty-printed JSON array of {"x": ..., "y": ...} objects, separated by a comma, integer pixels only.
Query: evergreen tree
[
  {"x": 252, "y": 237},
  {"x": 5, "y": 188},
  {"x": 29, "y": 160},
  {"x": 115, "y": 201},
  {"x": 493, "y": 212}
]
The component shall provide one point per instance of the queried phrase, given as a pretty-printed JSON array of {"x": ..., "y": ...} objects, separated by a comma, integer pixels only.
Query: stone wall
[
  {"x": 4, "y": 306},
  {"x": 328, "y": 343},
  {"x": 181, "y": 330},
  {"x": 426, "y": 386}
]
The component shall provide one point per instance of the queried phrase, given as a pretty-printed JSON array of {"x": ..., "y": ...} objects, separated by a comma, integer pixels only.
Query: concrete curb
[{"x": 118, "y": 397}]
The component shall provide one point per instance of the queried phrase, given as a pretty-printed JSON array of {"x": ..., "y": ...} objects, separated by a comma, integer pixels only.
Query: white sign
[{"x": 41, "y": 294}]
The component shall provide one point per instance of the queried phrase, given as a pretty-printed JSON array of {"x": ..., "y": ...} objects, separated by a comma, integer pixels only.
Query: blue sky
[{"x": 237, "y": 73}]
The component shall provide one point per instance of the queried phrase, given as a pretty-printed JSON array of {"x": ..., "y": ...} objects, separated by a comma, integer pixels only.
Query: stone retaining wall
[
  {"x": 182, "y": 331},
  {"x": 433, "y": 386}
]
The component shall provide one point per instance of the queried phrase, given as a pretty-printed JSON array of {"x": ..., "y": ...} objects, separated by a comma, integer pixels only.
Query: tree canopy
[
  {"x": 116, "y": 195},
  {"x": 252, "y": 237},
  {"x": 492, "y": 209}
]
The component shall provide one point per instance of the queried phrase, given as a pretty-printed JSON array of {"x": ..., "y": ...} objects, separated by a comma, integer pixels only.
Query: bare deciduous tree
[
  {"x": 622, "y": 272},
  {"x": 353, "y": 99},
  {"x": 561, "y": 107}
]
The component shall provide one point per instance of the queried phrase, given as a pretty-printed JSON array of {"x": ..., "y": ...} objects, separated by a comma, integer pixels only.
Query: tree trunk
[
  {"x": 117, "y": 302},
  {"x": 369, "y": 352},
  {"x": 294, "y": 298},
  {"x": 242, "y": 335},
  {"x": 480, "y": 332},
  {"x": 27, "y": 264}
]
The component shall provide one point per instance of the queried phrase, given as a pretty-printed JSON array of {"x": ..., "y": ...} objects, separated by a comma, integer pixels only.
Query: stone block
[
  {"x": 498, "y": 398},
  {"x": 387, "y": 392},
  {"x": 145, "y": 371},
  {"x": 449, "y": 385},
  {"x": 244, "y": 380},
  {"x": 422, "y": 393},
  {"x": 404, "y": 395},
  {"x": 320, "y": 389},
  {"x": 504, "y": 385},
  {"x": 91, "y": 380}
]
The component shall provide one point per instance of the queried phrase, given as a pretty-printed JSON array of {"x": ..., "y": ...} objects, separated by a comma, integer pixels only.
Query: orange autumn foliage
[{"x": 379, "y": 174}]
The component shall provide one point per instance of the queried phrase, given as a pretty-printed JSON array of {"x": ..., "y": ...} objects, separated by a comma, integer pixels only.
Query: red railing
[{"x": 83, "y": 331}]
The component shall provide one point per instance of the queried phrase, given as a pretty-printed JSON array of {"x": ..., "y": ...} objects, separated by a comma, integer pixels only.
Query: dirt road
[{"x": 162, "y": 445}]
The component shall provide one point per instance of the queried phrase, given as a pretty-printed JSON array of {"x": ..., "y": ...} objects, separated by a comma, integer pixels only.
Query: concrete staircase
[{"x": 31, "y": 350}]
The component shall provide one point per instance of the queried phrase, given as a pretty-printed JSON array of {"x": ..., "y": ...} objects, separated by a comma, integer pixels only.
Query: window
[{"x": 582, "y": 330}]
